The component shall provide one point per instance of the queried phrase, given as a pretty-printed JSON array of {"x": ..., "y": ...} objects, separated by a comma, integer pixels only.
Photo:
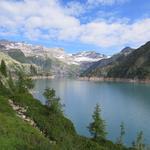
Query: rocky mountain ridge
[
  {"x": 128, "y": 64},
  {"x": 52, "y": 60}
]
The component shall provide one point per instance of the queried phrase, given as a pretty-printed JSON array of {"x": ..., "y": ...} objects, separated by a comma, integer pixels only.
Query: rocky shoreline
[
  {"x": 102, "y": 79},
  {"x": 42, "y": 77}
]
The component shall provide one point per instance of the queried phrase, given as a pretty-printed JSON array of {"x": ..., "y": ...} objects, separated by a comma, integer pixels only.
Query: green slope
[
  {"x": 13, "y": 64},
  {"x": 136, "y": 65},
  {"x": 101, "y": 68},
  {"x": 18, "y": 55},
  {"x": 15, "y": 134}
]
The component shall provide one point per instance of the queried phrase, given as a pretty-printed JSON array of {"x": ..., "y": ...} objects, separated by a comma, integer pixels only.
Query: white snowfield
[{"x": 87, "y": 59}]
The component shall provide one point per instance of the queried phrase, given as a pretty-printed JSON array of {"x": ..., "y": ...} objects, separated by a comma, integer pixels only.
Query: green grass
[{"x": 15, "y": 134}]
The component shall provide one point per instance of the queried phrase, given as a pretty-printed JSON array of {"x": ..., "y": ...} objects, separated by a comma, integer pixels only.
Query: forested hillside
[
  {"x": 129, "y": 63},
  {"x": 136, "y": 65}
]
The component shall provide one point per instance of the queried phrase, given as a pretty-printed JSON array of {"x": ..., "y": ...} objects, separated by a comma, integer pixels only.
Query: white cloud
[
  {"x": 47, "y": 19},
  {"x": 74, "y": 8},
  {"x": 34, "y": 14},
  {"x": 116, "y": 33}
]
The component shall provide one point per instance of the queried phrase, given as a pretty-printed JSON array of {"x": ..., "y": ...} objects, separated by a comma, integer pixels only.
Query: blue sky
[{"x": 106, "y": 26}]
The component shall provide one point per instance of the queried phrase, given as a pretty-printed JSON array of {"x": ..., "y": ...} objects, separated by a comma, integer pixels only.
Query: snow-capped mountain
[
  {"x": 40, "y": 54},
  {"x": 59, "y": 53},
  {"x": 88, "y": 56}
]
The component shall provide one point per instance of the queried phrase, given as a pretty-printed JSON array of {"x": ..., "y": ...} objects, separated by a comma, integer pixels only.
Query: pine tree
[
  {"x": 52, "y": 101},
  {"x": 49, "y": 94},
  {"x": 24, "y": 83},
  {"x": 33, "y": 70},
  {"x": 97, "y": 127},
  {"x": 3, "y": 68},
  {"x": 122, "y": 133},
  {"x": 11, "y": 83},
  {"x": 139, "y": 144}
]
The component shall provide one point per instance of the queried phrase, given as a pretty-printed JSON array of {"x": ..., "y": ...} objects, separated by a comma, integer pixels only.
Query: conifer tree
[
  {"x": 52, "y": 101},
  {"x": 24, "y": 83},
  {"x": 11, "y": 83},
  {"x": 122, "y": 133},
  {"x": 3, "y": 68},
  {"x": 97, "y": 127},
  {"x": 139, "y": 143},
  {"x": 33, "y": 70}
]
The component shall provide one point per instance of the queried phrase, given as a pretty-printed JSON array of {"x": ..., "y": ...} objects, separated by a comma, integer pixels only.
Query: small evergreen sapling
[
  {"x": 139, "y": 143},
  {"x": 52, "y": 101},
  {"x": 3, "y": 68},
  {"x": 97, "y": 127},
  {"x": 122, "y": 133}
]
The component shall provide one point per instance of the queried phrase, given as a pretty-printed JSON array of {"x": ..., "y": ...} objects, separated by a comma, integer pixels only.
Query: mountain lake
[{"x": 120, "y": 102}]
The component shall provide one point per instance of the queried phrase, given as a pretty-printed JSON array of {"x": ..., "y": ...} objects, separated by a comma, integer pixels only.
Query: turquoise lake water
[{"x": 120, "y": 102}]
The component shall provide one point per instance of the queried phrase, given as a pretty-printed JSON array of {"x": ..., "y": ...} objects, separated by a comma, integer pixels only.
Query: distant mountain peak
[
  {"x": 127, "y": 50},
  {"x": 89, "y": 54}
]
